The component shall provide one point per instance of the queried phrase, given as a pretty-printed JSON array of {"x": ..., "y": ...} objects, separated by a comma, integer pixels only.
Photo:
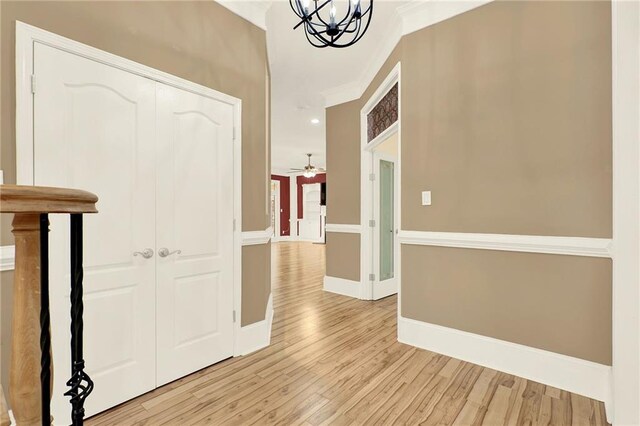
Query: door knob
[
  {"x": 164, "y": 252},
  {"x": 146, "y": 253}
]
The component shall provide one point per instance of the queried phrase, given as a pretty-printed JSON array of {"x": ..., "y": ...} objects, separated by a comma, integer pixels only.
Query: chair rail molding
[
  {"x": 573, "y": 246},
  {"x": 343, "y": 228},
  {"x": 253, "y": 238},
  {"x": 7, "y": 258}
]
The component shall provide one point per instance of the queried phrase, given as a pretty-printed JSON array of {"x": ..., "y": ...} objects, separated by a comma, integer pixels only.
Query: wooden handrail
[{"x": 43, "y": 199}]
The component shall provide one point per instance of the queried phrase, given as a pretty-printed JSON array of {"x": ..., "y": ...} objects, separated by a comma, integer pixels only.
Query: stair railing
[{"x": 30, "y": 379}]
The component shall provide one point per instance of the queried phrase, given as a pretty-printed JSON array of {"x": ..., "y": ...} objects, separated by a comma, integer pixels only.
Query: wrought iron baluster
[
  {"x": 45, "y": 322},
  {"x": 80, "y": 384}
]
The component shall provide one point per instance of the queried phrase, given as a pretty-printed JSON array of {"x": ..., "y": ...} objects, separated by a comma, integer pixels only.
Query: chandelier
[{"x": 323, "y": 28}]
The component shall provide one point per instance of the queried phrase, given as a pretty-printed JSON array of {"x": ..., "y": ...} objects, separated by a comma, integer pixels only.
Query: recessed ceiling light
[{"x": 315, "y": 121}]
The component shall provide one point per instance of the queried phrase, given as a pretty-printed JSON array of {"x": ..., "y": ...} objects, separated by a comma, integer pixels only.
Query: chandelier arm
[
  {"x": 348, "y": 15},
  {"x": 315, "y": 12},
  {"x": 307, "y": 18},
  {"x": 340, "y": 34},
  {"x": 318, "y": 34},
  {"x": 296, "y": 9},
  {"x": 322, "y": 42},
  {"x": 357, "y": 37}
]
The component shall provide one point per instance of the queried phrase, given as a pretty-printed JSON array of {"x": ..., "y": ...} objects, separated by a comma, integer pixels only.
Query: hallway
[{"x": 336, "y": 360}]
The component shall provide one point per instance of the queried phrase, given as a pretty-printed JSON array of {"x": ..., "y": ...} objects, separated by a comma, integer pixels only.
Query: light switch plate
[{"x": 426, "y": 198}]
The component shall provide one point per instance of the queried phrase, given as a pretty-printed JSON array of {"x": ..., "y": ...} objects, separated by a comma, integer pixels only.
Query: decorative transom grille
[{"x": 384, "y": 114}]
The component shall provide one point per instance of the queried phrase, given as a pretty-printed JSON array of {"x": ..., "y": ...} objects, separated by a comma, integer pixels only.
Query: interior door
[
  {"x": 94, "y": 129},
  {"x": 194, "y": 232},
  {"x": 384, "y": 237},
  {"x": 310, "y": 226}
]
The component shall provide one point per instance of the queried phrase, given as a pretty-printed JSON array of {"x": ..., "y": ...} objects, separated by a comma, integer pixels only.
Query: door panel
[
  {"x": 384, "y": 233},
  {"x": 94, "y": 129},
  {"x": 386, "y": 228},
  {"x": 195, "y": 216}
]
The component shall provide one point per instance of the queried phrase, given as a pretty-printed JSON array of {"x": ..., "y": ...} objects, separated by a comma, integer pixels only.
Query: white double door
[{"x": 160, "y": 160}]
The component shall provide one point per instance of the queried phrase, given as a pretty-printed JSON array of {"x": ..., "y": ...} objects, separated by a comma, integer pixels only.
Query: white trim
[
  {"x": 7, "y": 258},
  {"x": 28, "y": 35},
  {"x": 366, "y": 188},
  {"x": 343, "y": 228},
  {"x": 625, "y": 51},
  {"x": 386, "y": 133},
  {"x": 561, "y": 371},
  {"x": 253, "y": 11},
  {"x": 252, "y": 238},
  {"x": 342, "y": 286},
  {"x": 407, "y": 19},
  {"x": 573, "y": 246},
  {"x": 255, "y": 336}
]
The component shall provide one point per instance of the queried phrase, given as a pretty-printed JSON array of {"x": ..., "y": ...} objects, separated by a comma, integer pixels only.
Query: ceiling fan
[{"x": 309, "y": 170}]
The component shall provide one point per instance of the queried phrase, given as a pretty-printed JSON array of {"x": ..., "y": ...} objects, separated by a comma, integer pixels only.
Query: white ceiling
[{"x": 300, "y": 73}]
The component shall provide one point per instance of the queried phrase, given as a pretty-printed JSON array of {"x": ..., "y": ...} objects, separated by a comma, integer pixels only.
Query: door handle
[
  {"x": 146, "y": 253},
  {"x": 164, "y": 252}
]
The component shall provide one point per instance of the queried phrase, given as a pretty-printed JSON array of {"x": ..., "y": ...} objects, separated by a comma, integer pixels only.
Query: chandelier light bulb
[
  {"x": 305, "y": 5},
  {"x": 332, "y": 13}
]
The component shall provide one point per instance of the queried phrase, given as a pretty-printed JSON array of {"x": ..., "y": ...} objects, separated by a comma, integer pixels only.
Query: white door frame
[
  {"x": 625, "y": 39},
  {"x": 388, "y": 287},
  {"x": 304, "y": 209},
  {"x": 366, "y": 189},
  {"x": 28, "y": 35}
]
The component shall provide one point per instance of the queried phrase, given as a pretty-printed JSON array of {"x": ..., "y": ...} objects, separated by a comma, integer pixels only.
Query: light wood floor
[{"x": 335, "y": 360}]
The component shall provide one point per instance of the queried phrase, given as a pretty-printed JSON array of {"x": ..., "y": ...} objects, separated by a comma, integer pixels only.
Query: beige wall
[
  {"x": 258, "y": 273},
  {"x": 343, "y": 158},
  {"x": 199, "y": 41},
  {"x": 506, "y": 118},
  {"x": 557, "y": 303},
  {"x": 507, "y": 121},
  {"x": 343, "y": 255}
]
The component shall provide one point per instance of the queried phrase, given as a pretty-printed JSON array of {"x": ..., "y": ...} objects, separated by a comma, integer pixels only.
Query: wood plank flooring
[{"x": 335, "y": 360}]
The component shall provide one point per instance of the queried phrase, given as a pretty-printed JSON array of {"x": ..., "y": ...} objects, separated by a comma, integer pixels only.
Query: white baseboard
[
  {"x": 561, "y": 371},
  {"x": 341, "y": 286},
  {"x": 386, "y": 288},
  {"x": 255, "y": 336}
]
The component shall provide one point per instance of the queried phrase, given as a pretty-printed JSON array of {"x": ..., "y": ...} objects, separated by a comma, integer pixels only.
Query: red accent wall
[
  {"x": 301, "y": 180},
  {"x": 285, "y": 204}
]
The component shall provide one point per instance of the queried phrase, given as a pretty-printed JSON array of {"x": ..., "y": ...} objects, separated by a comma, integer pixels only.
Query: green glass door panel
[{"x": 387, "y": 233}]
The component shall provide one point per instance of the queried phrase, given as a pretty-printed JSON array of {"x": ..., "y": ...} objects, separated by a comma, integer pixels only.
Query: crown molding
[
  {"x": 407, "y": 19},
  {"x": 253, "y": 11}
]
